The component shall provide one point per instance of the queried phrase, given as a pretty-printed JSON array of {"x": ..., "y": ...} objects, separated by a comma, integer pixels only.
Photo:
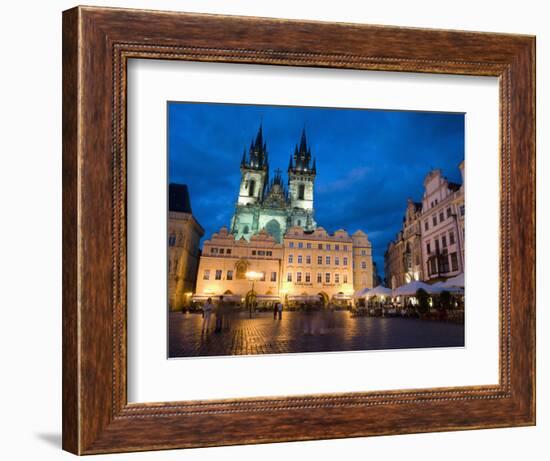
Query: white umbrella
[
  {"x": 444, "y": 286},
  {"x": 411, "y": 288},
  {"x": 361, "y": 293},
  {"x": 456, "y": 281},
  {"x": 379, "y": 291}
]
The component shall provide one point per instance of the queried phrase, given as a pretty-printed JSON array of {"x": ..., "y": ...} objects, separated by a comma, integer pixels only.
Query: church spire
[{"x": 243, "y": 161}]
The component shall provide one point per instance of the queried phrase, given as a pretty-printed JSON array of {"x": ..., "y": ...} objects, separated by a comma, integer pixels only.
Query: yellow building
[
  {"x": 362, "y": 261},
  {"x": 184, "y": 234},
  {"x": 317, "y": 266},
  {"x": 226, "y": 265}
]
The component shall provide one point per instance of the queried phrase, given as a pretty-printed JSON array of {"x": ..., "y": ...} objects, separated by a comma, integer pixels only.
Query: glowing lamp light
[{"x": 253, "y": 275}]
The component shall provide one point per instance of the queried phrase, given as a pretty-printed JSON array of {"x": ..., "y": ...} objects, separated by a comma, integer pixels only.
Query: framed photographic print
[{"x": 323, "y": 228}]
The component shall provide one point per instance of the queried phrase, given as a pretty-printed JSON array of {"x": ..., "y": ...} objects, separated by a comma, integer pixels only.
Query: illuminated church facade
[{"x": 270, "y": 204}]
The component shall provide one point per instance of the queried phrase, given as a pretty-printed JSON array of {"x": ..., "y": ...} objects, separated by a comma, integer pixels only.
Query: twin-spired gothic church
[{"x": 269, "y": 204}]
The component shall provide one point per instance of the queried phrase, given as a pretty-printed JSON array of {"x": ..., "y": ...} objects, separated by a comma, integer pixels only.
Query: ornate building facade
[
  {"x": 403, "y": 259},
  {"x": 184, "y": 234},
  {"x": 225, "y": 262},
  {"x": 269, "y": 205},
  {"x": 273, "y": 233},
  {"x": 430, "y": 245}
]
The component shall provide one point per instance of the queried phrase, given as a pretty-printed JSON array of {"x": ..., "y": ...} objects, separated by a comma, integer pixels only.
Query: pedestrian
[
  {"x": 207, "y": 310},
  {"x": 280, "y": 310},
  {"x": 220, "y": 307},
  {"x": 275, "y": 310}
]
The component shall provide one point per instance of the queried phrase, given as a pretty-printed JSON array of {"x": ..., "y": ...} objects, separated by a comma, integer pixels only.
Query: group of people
[
  {"x": 221, "y": 311},
  {"x": 277, "y": 311}
]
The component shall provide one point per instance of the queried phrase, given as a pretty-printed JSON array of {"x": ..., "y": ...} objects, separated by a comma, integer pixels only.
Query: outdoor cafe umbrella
[
  {"x": 444, "y": 286},
  {"x": 379, "y": 291},
  {"x": 456, "y": 281},
  {"x": 411, "y": 288},
  {"x": 361, "y": 293}
]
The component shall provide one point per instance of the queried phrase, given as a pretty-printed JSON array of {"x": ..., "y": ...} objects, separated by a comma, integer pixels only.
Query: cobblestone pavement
[{"x": 300, "y": 332}]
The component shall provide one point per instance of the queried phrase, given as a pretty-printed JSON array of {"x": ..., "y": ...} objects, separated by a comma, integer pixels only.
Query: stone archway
[
  {"x": 324, "y": 298},
  {"x": 273, "y": 228}
]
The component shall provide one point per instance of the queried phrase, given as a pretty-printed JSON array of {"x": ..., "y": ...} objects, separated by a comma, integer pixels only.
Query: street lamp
[{"x": 253, "y": 276}]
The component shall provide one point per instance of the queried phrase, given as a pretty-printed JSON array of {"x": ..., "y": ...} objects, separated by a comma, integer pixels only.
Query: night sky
[{"x": 368, "y": 161}]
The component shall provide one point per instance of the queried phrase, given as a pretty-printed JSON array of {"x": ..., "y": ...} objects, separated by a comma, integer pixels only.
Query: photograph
[{"x": 313, "y": 229}]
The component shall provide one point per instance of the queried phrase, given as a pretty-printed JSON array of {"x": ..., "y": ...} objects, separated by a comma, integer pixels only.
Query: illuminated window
[
  {"x": 230, "y": 275},
  {"x": 274, "y": 276},
  {"x": 218, "y": 274},
  {"x": 262, "y": 277},
  {"x": 206, "y": 275}
]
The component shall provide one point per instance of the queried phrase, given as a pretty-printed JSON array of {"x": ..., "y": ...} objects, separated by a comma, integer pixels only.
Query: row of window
[
  {"x": 227, "y": 251},
  {"x": 218, "y": 274},
  {"x": 220, "y": 251},
  {"x": 328, "y": 259},
  {"x": 443, "y": 215},
  {"x": 320, "y": 246},
  {"x": 440, "y": 265},
  {"x": 307, "y": 277},
  {"x": 443, "y": 242}
]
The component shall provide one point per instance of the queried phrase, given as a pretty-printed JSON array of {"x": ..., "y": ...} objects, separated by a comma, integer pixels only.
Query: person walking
[
  {"x": 220, "y": 307},
  {"x": 207, "y": 310},
  {"x": 275, "y": 310},
  {"x": 280, "y": 310}
]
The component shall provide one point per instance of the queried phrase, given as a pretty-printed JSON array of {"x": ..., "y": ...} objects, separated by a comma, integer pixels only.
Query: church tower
[
  {"x": 254, "y": 172},
  {"x": 301, "y": 178}
]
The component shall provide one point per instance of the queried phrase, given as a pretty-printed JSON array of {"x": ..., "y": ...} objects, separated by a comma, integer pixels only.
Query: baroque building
[
  {"x": 184, "y": 234},
  {"x": 269, "y": 205},
  {"x": 403, "y": 258},
  {"x": 430, "y": 245},
  {"x": 273, "y": 235}
]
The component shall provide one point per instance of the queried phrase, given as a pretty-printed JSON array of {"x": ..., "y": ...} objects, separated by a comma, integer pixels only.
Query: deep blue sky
[{"x": 368, "y": 161}]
